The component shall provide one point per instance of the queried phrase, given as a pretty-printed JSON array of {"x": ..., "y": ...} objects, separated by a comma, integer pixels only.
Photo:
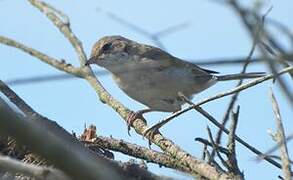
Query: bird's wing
[{"x": 166, "y": 60}]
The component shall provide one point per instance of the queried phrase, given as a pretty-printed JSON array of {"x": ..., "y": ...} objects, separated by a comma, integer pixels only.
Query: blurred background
[{"x": 197, "y": 31}]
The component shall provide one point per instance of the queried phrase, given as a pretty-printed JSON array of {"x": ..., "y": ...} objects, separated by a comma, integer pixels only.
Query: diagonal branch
[
  {"x": 64, "y": 27},
  {"x": 41, "y": 56},
  {"x": 281, "y": 139},
  {"x": 138, "y": 151}
]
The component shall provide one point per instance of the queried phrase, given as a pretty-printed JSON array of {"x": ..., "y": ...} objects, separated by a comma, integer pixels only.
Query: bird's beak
[{"x": 92, "y": 60}]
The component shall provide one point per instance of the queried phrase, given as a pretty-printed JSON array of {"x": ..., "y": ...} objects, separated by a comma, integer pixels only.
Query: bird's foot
[
  {"x": 152, "y": 131},
  {"x": 133, "y": 116}
]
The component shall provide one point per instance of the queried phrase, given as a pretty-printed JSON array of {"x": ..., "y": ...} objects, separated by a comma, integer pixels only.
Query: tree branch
[
  {"x": 281, "y": 139},
  {"x": 39, "y": 172},
  {"x": 138, "y": 151},
  {"x": 41, "y": 56},
  {"x": 64, "y": 27}
]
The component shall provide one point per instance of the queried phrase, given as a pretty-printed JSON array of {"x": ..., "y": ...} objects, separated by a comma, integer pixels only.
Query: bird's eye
[{"x": 106, "y": 47}]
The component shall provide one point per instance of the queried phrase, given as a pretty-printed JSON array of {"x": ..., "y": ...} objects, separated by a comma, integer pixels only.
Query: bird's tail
[{"x": 240, "y": 76}]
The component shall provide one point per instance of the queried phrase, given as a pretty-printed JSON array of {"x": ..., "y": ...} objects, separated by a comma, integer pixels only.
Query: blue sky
[{"x": 213, "y": 31}]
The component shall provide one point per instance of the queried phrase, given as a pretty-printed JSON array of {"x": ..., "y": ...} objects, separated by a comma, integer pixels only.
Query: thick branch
[
  {"x": 66, "y": 156},
  {"x": 138, "y": 152},
  {"x": 39, "y": 172}
]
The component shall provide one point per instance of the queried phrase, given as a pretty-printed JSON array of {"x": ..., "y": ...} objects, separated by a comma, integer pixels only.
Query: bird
[{"x": 152, "y": 76}]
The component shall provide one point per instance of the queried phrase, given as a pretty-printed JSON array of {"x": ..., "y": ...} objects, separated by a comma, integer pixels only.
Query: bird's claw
[
  {"x": 132, "y": 117},
  {"x": 151, "y": 132}
]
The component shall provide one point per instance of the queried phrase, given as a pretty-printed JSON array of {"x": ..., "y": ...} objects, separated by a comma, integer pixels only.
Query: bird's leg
[
  {"x": 135, "y": 115},
  {"x": 184, "y": 98}
]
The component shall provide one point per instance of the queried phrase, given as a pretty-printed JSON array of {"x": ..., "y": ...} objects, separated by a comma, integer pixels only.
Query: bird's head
[{"x": 110, "y": 51}]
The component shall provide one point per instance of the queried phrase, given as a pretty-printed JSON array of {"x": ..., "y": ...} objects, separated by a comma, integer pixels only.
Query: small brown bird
[{"x": 152, "y": 76}]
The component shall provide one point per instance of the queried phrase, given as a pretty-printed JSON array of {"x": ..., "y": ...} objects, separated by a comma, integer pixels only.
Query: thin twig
[
  {"x": 206, "y": 142},
  {"x": 232, "y": 160},
  {"x": 248, "y": 146},
  {"x": 41, "y": 56},
  {"x": 235, "y": 96},
  {"x": 215, "y": 149},
  {"x": 212, "y": 161},
  {"x": 204, "y": 152},
  {"x": 220, "y": 126},
  {"x": 277, "y": 157},
  {"x": 63, "y": 26},
  {"x": 246, "y": 16},
  {"x": 281, "y": 140}
]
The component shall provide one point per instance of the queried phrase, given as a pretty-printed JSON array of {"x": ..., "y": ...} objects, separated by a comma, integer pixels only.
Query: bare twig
[
  {"x": 281, "y": 140},
  {"x": 235, "y": 96},
  {"x": 215, "y": 149},
  {"x": 231, "y": 139},
  {"x": 212, "y": 161},
  {"x": 43, "y": 57},
  {"x": 232, "y": 160},
  {"x": 39, "y": 172},
  {"x": 206, "y": 142},
  {"x": 63, "y": 26},
  {"x": 231, "y": 136},
  {"x": 246, "y": 16},
  {"x": 138, "y": 152},
  {"x": 276, "y": 157},
  {"x": 204, "y": 152},
  {"x": 248, "y": 146}
]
